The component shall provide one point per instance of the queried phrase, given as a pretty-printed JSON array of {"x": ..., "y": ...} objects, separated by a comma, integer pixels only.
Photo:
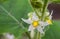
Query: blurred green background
[{"x": 19, "y": 9}]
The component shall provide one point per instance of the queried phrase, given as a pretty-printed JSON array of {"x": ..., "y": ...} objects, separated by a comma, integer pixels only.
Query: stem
[
  {"x": 44, "y": 8},
  {"x": 28, "y": 35},
  {"x": 38, "y": 35},
  {"x": 36, "y": 11}
]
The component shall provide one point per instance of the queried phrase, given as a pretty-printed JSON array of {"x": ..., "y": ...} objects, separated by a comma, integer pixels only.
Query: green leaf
[
  {"x": 54, "y": 31},
  {"x": 19, "y": 9},
  {"x": 2, "y": 1}
]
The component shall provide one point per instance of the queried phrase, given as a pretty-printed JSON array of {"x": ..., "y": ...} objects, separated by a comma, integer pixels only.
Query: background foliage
[{"x": 19, "y": 9}]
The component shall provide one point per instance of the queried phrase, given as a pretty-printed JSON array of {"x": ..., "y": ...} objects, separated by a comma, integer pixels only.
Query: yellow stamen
[
  {"x": 35, "y": 23},
  {"x": 49, "y": 21}
]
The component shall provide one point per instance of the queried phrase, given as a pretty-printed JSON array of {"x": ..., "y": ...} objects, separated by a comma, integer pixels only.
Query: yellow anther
[
  {"x": 49, "y": 21},
  {"x": 35, "y": 23}
]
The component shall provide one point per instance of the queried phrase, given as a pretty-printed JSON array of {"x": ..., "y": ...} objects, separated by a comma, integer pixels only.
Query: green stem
[
  {"x": 38, "y": 35},
  {"x": 28, "y": 35},
  {"x": 44, "y": 8},
  {"x": 36, "y": 11}
]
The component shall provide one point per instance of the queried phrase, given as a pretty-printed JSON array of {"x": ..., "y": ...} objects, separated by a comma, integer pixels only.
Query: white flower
[
  {"x": 48, "y": 14},
  {"x": 9, "y": 36},
  {"x": 35, "y": 23},
  {"x": 50, "y": 18}
]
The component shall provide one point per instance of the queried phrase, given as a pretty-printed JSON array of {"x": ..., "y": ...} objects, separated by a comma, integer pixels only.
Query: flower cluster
[{"x": 36, "y": 23}]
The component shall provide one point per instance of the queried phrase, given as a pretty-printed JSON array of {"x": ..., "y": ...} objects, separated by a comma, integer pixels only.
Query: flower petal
[
  {"x": 40, "y": 29},
  {"x": 9, "y": 36},
  {"x": 28, "y": 21},
  {"x": 34, "y": 16},
  {"x": 43, "y": 23},
  {"x": 51, "y": 15},
  {"x": 31, "y": 28}
]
